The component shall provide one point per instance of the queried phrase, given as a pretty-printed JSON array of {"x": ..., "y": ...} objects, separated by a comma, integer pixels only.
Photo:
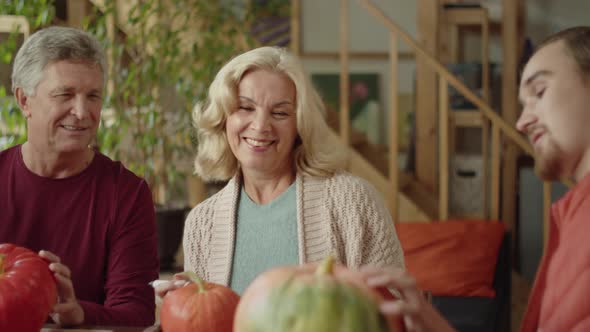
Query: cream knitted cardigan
[{"x": 342, "y": 215}]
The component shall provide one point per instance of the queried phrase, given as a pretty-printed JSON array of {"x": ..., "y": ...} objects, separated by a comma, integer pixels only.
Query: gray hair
[{"x": 50, "y": 45}]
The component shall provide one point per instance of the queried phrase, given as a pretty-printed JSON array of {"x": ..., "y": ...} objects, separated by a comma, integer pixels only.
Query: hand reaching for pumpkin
[
  {"x": 418, "y": 314},
  {"x": 67, "y": 311},
  {"x": 161, "y": 287}
]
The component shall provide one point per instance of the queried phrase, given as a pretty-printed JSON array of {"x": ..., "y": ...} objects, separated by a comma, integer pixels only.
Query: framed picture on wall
[{"x": 365, "y": 106}]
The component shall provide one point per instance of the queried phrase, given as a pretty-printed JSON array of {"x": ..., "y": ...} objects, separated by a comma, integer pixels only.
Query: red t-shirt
[
  {"x": 560, "y": 300},
  {"x": 101, "y": 223}
]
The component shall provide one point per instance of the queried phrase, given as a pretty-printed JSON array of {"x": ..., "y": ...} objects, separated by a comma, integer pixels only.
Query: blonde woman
[{"x": 287, "y": 200}]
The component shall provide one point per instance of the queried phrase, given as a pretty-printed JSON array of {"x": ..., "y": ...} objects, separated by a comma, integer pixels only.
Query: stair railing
[{"x": 500, "y": 128}]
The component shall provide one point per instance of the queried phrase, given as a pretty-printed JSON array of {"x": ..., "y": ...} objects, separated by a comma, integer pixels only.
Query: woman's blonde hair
[{"x": 315, "y": 153}]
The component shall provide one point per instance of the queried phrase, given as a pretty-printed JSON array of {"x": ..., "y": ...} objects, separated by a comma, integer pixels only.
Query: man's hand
[
  {"x": 67, "y": 311},
  {"x": 417, "y": 313}
]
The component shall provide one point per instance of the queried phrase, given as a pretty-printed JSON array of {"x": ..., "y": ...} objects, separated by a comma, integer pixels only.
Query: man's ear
[{"x": 22, "y": 100}]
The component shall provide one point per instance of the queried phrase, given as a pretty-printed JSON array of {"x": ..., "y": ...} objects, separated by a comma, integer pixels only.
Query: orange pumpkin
[
  {"x": 200, "y": 306},
  {"x": 312, "y": 298}
]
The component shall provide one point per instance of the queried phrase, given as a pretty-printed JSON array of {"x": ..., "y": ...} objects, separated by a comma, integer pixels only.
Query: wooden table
[{"x": 55, "y": 328}]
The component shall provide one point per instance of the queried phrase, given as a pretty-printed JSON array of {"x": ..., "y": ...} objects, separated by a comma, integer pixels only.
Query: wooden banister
[
  {"x": 443, "y": 148},
  {"x": 485, "y": 148},
  {"x": 486, "y": 110},
  {"x": 295, "y": 27},
  {"x": 495, "y": 215}
]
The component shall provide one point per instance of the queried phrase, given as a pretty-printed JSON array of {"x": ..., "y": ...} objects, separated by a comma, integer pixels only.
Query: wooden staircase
[
  {"x": 371, "y": 161},
  {"x": 434, "y": 206},
  {"x": 365, "y": 159},
  {"x": 503, "y": 134},
  {"x": 408, "y": 199}
]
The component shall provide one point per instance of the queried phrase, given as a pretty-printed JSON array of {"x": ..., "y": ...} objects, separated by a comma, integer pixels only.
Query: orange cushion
[{"x": 452, "y": 258}]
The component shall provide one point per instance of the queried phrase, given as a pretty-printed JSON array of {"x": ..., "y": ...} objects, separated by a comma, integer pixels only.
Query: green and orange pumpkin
[{"x": 315, "y": 298}]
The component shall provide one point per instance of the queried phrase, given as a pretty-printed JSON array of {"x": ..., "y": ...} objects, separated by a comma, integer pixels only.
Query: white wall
[
  {"x": 549, "y": 16},
  {"x": 320, "y": 24}
]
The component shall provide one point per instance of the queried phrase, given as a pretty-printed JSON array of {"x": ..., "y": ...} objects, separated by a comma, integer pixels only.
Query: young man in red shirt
[{"x": 555, "y": 94}]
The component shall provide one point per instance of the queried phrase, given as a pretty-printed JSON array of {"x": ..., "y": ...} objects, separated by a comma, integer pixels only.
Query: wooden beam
[
  {"x": 111, "y": 26},
  {"x": 408, "y": 56},
  {"x": 443, "y": 127},
  {"x": 296, "y": 27},
  {"x": 77, "y": 10},
  {"x": 466, "y": 119},
  {"x": 485, "y": 57},
  {"x": 448, "y": 38},
  {"x": 426, "y": 95},
  {"x": 496, "y": 162},
  {"x": 344, "y": 78},
  {"x": 197, "y": 190},
  {"x": 393, "y": 124},
  {"x": 466, "y": 16},
  {"x": 485, "y": 148},
  {"x": 521, "y": 25}
]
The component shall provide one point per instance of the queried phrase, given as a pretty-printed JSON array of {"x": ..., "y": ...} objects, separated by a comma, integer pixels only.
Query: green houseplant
[
  {"x": 162, "y": 56},
  {"x": 39, "y": 13}
]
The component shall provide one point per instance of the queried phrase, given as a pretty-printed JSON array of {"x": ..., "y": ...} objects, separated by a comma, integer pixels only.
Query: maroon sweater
[{"x": 101, "y": 223}]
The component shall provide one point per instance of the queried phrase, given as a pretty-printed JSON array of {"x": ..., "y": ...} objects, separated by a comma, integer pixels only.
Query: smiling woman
[
  {"x": 262, "y": 131},
  {"x": 288, "y": 201}
]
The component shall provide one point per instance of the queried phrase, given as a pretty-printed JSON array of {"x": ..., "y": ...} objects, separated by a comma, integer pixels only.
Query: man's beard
[{"x": 549, "y": 165}]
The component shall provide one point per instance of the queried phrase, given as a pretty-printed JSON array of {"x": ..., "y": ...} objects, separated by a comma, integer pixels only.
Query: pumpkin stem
[
  {"x": 2, "y": 256},
  {"x": 196, "y": 279},
  {"x": 326, "y": 266}
]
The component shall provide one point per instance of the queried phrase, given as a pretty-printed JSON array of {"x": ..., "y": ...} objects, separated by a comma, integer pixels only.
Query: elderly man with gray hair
[{"x": 88, "y": 216}]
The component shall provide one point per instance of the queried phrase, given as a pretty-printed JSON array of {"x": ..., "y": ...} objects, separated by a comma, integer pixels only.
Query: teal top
[{"x": 266, "y": 237}]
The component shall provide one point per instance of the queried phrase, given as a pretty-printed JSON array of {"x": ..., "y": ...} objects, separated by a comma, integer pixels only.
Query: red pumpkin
[
  {"x": 27, "y": 289},
  {"x": 312, "y": 298},
  {"x": 200, "y": 306}
]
